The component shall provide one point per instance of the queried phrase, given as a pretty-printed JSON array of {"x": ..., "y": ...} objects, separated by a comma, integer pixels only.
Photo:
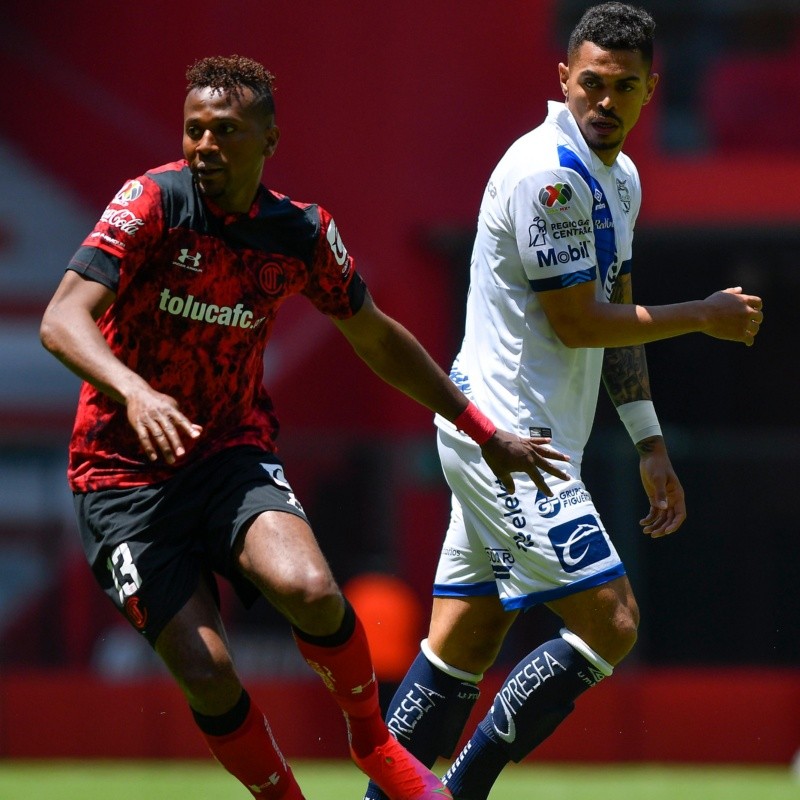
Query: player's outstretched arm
[
  {"x": 396, "y": 356},
  {"x": 69, "y": 332},
  {"x": 579, "y": 319}
]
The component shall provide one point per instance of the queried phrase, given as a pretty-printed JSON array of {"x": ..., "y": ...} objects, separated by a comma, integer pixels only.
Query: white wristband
[{"x": 639, "y": 419}]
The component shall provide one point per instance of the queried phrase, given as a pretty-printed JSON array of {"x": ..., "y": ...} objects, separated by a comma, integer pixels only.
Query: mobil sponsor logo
[
  {"x": 572, "y": 252},
  {"x": 579, "y": 543}
]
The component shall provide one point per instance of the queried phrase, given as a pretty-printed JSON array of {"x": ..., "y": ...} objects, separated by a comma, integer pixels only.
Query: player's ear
[
  {"x": 272, "y": 136},
  {"x": 563, "y": 77},
  {"x": 652, "y": 80}
]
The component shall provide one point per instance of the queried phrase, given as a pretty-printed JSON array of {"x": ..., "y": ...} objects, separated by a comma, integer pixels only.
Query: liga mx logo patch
[
  {"x": 579, "y": 543},
  {"x": 132, "y": 190}
]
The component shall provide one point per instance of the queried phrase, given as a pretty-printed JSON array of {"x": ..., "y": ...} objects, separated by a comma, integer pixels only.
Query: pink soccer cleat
[{"x": 399, "y": 774}]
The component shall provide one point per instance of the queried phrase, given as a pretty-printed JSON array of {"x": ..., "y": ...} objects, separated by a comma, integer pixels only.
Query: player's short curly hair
[
  {"x": 615, "y": 26},
  {"x": 231, "y": 74}
]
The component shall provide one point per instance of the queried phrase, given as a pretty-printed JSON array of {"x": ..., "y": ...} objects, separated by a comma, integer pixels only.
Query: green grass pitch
[{"x": 340, "y": 780}]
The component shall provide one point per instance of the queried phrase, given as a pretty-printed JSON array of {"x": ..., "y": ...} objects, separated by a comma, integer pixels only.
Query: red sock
[
  {"x": 347, "y": 672},
  {"x": 251, "y": 754}
]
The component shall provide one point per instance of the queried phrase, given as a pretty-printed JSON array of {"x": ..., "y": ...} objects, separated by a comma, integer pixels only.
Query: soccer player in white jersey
[{"x": 549, "y": 315}]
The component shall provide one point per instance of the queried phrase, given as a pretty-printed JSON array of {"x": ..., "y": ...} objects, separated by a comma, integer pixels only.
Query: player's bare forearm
[
  {"x": 579, "y": 319},
  {"x": 69, "y": 332},
  {"x": 396, "y": 356},
  {"x": 399, "y": 359}
]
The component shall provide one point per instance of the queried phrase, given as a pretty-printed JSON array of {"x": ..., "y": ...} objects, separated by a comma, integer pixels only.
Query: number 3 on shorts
[{"x": 123, "y": 571}]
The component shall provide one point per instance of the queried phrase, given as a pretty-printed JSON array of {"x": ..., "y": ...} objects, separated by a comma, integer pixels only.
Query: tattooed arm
[
  {"x": 625, "y": 368},
  {"x": 625, "y": 373},
  {"x": 626, "y": 380}
]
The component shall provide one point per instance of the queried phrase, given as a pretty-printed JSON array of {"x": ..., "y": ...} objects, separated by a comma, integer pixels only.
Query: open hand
[
  {"x": 506, "y": 453},
  {"x": 664, "y": 491},
  {"x": 160, "y": 425}
]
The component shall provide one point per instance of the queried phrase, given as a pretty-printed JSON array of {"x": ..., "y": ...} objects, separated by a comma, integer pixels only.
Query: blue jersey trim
[
  {"x": 483, "y": 589},
  {"x": 605, "y": 243},
  {"x": 489, "y": 588},
  {"x": 537, "y": 598},
  {"x": 626, "y": 267},
  {"x": 562, "y": 281}
]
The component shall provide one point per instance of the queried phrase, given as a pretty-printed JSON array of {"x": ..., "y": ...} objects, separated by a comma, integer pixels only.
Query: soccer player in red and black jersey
[{"x": 165, "y": 311}]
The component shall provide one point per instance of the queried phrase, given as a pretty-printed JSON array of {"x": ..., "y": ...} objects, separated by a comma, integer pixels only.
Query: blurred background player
[
  {"x": 550, "y": 288},
  {"x": 165, "y": 311}
]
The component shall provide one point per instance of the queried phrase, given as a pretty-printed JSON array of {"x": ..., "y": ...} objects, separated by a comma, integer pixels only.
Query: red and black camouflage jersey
[{"x": 197, "y": 291}]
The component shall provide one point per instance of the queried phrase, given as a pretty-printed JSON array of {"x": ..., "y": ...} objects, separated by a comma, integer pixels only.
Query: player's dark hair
[
  {"x": 231, "y": 74},
  {"x": 615, "y": 26}
]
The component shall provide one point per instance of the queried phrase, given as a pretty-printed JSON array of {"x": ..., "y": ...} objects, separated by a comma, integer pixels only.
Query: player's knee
[
  {"x": 623, "y": 633},
  {"x": 473, "y": 653},
  {"x": 301, "y": 586},
  {"x": 612, "y": 635},
  {"x": 626, "y": 637},
  {"x": 479, "y": 653},
  {"x": 314, "y": 605},
  {"x": 314, "y": 589},
  {"x": 469, "y": 641},
  {"x": 210, "y": 685}
]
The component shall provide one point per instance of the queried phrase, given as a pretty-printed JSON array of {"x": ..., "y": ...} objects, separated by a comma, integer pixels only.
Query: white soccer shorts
[{"x": 527, "y": 548}]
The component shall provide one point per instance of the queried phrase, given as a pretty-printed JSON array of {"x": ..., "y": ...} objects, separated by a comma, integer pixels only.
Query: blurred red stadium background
[{"x": 392, "y": 116}]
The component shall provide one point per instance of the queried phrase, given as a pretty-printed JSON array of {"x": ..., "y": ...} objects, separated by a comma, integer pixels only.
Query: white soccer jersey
[{"x": 553, "y": 215}]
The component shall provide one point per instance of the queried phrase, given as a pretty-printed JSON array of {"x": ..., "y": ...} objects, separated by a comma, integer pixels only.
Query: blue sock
[
  {"x": 534, "y": 699},
  {"x": 427, "y": 714}
]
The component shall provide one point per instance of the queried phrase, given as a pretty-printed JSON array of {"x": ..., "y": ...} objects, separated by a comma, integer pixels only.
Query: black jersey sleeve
[{"x": 96, "y": 265}]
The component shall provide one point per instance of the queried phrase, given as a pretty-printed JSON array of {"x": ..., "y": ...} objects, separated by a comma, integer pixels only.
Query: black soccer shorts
[{"x": 149, "y": 546}]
